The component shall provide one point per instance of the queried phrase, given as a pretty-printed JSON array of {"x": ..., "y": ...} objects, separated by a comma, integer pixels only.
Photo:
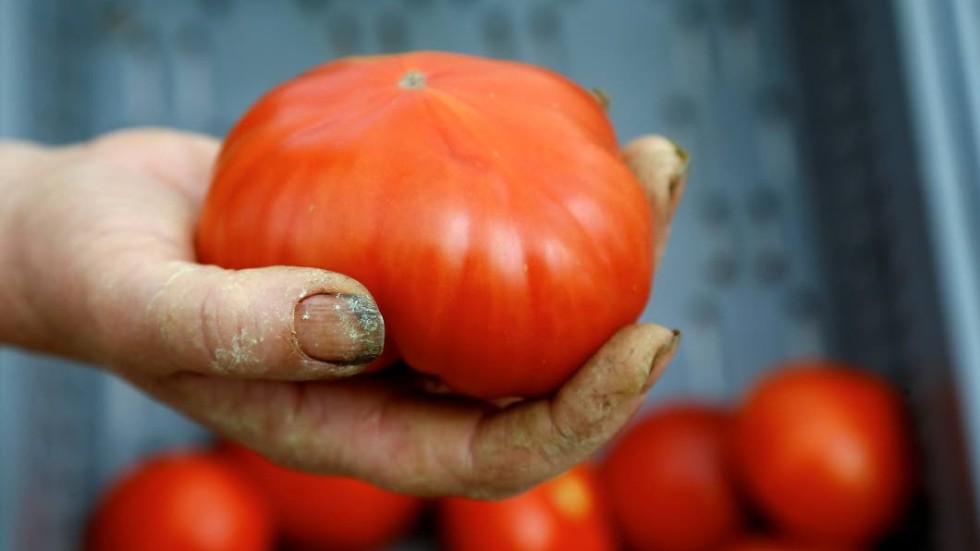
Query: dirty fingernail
[
  {"x": 339, "y": 328},
  {"x": 660, "y": 359}
]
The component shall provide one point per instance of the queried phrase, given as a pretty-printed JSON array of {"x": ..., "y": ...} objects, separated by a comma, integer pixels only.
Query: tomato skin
[
  {"x": 192, "y": 501},
  {"x": 567, "y": 513},
  {"x": 327, "y": 513},
  {"x": 825, "y": 452},
  {"x": 489, "y": 212},
  {"x": 669, "y": 480}
]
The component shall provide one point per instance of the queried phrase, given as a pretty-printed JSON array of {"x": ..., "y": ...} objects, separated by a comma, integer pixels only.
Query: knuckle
[
  {"x": 508, "y": 474},
  {"x": 197, "y": 317},
  {"x": 571, "y": 428},
  {"x": 231, "y": 343},
  {"x": 210, "y": 326}
]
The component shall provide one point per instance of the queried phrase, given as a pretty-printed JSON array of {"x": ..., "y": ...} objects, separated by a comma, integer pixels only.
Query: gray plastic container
[{"x": 833, "y": 207}]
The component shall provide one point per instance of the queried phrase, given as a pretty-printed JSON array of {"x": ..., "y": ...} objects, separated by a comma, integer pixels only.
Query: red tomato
[
  {"x": 669, "y": 481},
  {"x": 825, "y": 452},
  {"x": 328, "y": 513},
  {"x": 767, "y": 544},
  {"x": 484, "y": 204},
  {"x": 192, "y": 501},
  {"x": 564, "y": 514}
]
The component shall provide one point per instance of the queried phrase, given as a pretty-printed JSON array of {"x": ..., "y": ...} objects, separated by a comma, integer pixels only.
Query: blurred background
[{"x": 833, "y": 207}]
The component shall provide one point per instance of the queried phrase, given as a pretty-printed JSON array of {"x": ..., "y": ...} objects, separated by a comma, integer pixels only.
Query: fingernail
[
  {"x": 658, "y": 365},
  {"x": 339, "y": 328}
]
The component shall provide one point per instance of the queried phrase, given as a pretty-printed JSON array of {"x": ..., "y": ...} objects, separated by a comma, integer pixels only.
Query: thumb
[{"x": 280, "y": 323}]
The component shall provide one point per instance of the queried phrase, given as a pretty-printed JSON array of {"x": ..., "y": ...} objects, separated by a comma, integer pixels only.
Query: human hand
[{"x": 97, "y": 263}]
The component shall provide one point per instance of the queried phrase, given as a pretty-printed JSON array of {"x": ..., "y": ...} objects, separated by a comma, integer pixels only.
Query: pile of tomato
[
  {"x": 499, "y": 189},
  {"x": 816, "y": 457}
]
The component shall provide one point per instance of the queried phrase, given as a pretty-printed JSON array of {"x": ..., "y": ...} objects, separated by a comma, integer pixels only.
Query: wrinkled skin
[{"x": 97, "y": 264}]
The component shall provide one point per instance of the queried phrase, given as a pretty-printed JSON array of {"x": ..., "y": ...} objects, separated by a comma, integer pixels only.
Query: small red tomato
[
  {"x": 328, "y": 513},
  {"x": 563, "y": 514},
  {"x": 768, "y": 544},
  {"x": 669, "y": 481},
  {"x": 824, "y": 450},
  {"x": 192, "y": 501}
]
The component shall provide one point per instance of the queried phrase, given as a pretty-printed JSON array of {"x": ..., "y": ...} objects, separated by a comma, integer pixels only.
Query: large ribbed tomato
[{"x": 484, "y": 204}]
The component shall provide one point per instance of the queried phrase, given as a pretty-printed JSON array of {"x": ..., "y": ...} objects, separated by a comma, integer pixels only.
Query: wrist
[{"x": 21, "y": 164}]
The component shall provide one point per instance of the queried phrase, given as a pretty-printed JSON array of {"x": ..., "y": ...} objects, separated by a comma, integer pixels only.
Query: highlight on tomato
[
  {"x": 670, "y": 482},
  {"x": 190, "y": 500},
  {"x": 567, "y": 513},
  {"x": 484, "y": 203},
  {"x": 327, "y": 513},
  {"x": 824, "y": 450}
]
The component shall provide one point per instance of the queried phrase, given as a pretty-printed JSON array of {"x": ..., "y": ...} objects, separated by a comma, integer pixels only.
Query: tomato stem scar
[{"x": 412, "y": 80}]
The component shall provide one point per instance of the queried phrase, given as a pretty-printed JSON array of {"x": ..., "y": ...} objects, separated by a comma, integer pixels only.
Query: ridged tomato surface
[{"x": 483, "y": 203}]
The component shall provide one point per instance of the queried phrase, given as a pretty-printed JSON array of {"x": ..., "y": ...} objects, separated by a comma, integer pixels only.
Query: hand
[{"x": 97, "y": 264}]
